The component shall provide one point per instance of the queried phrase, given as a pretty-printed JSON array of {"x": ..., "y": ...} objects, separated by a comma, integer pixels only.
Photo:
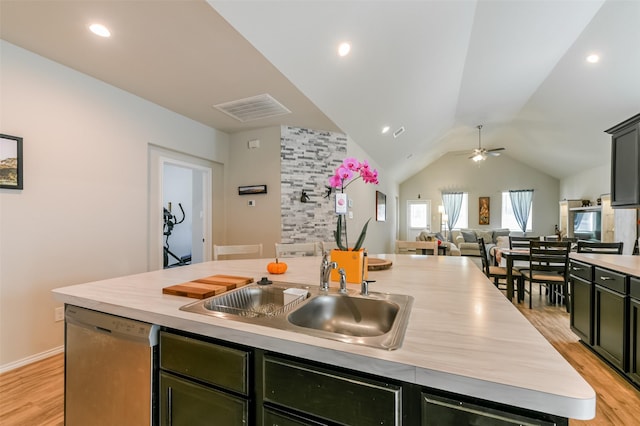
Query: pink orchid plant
[{"x": 345, "y": 176}]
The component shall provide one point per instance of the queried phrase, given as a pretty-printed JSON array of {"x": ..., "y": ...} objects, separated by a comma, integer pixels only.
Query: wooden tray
[{"x": 376, "y": 264}]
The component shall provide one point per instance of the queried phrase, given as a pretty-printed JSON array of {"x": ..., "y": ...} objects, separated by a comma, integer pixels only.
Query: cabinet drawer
[
  {"x": 205, "y": 361},
  {"x": 438, "y": 410},
  {"x": 187, "y": 403},
  {"x": 634, "y": 287},
  {"x": 335, "y": 397},
  {"x": 611, "y": 280},
  {"x": 275, "y": 418},
  {"x": 581, "y": 270}
]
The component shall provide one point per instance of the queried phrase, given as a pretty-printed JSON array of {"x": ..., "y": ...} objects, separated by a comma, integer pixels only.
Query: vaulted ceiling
[{"x": 436, "y": 68}]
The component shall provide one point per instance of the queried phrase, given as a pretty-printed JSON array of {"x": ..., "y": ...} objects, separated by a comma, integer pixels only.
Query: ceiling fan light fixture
[{"x": 478, "y": 157}]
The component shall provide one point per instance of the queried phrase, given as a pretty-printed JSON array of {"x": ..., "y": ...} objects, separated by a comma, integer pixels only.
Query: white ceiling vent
[
  {"x": 253, "y": 108},
  {"x": 398, "y": 132}
]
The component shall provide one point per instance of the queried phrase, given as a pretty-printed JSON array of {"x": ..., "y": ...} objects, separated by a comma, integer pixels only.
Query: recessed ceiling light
[
  {"x": 385, "y": 129},
  {"x": 100, "y": 30},
  {"x": 344, "y": 49},
  {"x": 592, "y": 59}
]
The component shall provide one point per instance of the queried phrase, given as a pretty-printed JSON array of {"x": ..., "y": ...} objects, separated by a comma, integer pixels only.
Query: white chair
[
  {"x": 416, "y": 247},
  {"x": 237, "y": 250},
  {"x": 298, "y": 249}
]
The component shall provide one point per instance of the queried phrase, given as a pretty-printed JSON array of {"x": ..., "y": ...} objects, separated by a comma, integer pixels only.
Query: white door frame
[{"x": 158, "y": 157}]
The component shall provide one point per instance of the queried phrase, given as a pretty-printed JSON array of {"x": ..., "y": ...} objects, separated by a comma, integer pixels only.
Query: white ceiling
[{"x": 438, "y": 68}]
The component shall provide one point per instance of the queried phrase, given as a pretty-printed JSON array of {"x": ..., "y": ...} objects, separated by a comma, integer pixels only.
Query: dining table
[{"x": 510, "y": 256}]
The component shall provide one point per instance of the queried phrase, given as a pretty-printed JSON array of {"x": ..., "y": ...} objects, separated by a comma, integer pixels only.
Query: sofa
[
  {"x": 452, "y": 249},
  {"x": 467, "y": 240}
]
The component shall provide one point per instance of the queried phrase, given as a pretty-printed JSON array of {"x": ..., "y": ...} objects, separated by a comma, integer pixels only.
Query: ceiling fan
[{"x": 480, "y": 153}]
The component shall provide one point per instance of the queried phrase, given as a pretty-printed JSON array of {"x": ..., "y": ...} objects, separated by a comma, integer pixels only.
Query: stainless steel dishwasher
[{"x": 109, "y": 369}]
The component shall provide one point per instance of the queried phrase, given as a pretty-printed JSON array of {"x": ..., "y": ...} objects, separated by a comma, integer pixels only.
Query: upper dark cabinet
[{"x": 625, "y": 163}]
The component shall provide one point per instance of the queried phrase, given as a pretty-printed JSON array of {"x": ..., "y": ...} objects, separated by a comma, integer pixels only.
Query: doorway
[
  {"x": 418, "y": 218},
  {"x": 180, "y": 209}
]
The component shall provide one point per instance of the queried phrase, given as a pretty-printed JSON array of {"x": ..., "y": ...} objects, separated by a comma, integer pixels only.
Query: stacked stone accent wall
[{"x": 307, "y": 159}]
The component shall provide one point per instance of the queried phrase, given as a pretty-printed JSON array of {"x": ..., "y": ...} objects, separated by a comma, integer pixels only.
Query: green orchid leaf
[
  {"x": 337, "y": 234},
  {"x": 362, "y": 236}
]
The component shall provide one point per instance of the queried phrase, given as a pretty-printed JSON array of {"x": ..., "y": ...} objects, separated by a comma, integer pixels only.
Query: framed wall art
[
  {"x": 10, "y": 162},
  {"x": 252, "y": 189},
  {"x": 381, "y": 207},
  {"x": 484, "y": 211}
]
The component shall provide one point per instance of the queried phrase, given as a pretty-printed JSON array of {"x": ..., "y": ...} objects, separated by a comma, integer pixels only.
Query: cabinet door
[
  {"x": 634, "y": 340},
  {"x": 582, "y": 309},
  {"x": 187, "y": 403},
  {"x": 610, "y": 326},
  {"x": 625, "y": 167}
]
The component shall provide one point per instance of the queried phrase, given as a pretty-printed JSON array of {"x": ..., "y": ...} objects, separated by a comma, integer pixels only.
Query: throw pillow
[
  {"x": 440, "y": 237},
  {"x": 502, "y": 242},
  {"x": 469, "y": 236},
  {"x": 487, "y": 235},
  {"x": 500, "y": 233}
]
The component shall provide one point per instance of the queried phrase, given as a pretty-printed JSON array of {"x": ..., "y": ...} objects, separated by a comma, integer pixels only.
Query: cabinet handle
[
  {"x": 169, "y": 405},
  {"x": 604, "y": 278}
]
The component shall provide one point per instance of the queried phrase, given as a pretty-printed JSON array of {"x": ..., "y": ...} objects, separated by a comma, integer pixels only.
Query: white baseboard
[{"x": 30, "y": 359}]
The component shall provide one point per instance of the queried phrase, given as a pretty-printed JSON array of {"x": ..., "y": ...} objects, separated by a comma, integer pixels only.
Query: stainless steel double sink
[{"x": 377, "y": 319}]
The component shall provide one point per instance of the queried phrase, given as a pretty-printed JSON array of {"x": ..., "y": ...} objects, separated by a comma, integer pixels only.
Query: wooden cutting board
[
  {"x": 207, "y": 286},
  {"x": 228, "y": 281},
  {"x": 195, "y": 290}
]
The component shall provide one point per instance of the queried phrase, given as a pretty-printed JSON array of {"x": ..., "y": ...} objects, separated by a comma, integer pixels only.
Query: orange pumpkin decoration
[{"x": 277, "y": 267}]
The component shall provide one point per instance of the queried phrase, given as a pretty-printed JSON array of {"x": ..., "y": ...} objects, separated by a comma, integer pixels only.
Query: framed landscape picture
[{"x": 10, "y": 162}]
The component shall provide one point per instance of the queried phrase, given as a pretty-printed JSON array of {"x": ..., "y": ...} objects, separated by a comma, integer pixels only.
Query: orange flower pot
[{"x": 352, "y": 263}]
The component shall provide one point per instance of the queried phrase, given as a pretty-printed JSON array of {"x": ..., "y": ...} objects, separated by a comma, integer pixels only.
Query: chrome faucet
[
  {"x": 325, "y": 271},
  {"x": 343, "y": 280},
  {"x": 364, "y": 288}
]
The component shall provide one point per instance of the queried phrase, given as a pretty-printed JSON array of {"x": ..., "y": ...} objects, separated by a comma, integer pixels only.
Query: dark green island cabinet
[
  {"x": 206, "y": 381},
  {"x": 605, "y": 314}
]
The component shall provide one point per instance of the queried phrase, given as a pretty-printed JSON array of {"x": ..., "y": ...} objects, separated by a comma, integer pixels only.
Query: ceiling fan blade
[
  {"x": 495, "y": 149},
  {"x": 493, "y": 153}
]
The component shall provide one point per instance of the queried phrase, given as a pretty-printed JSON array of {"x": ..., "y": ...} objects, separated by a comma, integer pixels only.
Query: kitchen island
[{"x": 463, "y": 336}]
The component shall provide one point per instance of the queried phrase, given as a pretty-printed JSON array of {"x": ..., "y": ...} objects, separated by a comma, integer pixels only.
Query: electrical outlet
[
  {"x": 58, "y": 314},
  {"x": 251, "y": 203}
]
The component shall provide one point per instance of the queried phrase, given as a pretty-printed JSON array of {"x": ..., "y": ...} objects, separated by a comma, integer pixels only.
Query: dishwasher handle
[{"x": 124, "y": 328}]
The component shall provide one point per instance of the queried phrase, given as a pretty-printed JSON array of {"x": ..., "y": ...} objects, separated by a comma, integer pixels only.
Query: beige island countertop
[{"x": 463, "y": 335}]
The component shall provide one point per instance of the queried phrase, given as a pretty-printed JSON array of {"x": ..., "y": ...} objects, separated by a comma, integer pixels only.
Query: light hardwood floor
[{"x": 33, "y": 395}]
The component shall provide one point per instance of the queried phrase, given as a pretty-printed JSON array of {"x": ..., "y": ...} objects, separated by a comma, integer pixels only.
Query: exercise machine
[{"x": 170, "y": 221}]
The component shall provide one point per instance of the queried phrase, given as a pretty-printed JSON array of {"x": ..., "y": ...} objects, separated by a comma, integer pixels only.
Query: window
[
  {"x": 509, "y": 219},
  {"x": 418, "y": 215},
  {"x": 463, "y": 217}
]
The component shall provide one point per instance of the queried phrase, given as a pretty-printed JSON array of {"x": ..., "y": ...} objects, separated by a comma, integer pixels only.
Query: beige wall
[
  {"x": 261, "y": 223},
  {"x": 453, "y": 172},
  {"x": 83, "y": 213},
  {"x": 588, "y": 184}
]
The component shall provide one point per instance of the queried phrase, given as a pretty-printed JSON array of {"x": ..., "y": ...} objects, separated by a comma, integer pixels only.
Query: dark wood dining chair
[
  {"x": 496, "y": 272},
  {"x": 521, "y": 242},
  {"x": 549, "y": 267},
  {"x": 599, "y": 248}
]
